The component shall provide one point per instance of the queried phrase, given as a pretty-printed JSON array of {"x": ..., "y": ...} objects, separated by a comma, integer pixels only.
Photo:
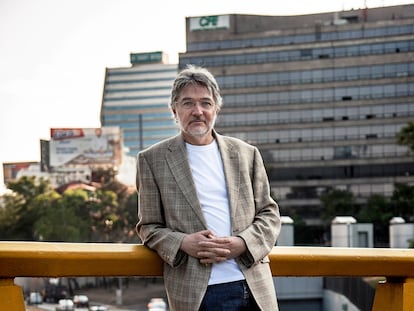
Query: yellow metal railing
[{"x": 43, "y": 259}]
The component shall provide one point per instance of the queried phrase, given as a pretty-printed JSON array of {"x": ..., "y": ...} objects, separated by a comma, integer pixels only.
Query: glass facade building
[
  {"x": 136, "y": 99},
  {"x": 322, "y": 96}
]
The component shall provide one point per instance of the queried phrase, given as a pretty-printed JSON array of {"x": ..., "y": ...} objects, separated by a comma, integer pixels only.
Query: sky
[{"x": 53, "y": 55}]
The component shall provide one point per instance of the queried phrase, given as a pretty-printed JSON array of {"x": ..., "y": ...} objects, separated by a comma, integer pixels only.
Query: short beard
[{"x": 198, "y": 131}]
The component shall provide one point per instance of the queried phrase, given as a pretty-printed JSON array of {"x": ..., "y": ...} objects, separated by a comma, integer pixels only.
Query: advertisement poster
[
  {"x": 11, "y": 170},
  {"x": 94, "y": 147}
]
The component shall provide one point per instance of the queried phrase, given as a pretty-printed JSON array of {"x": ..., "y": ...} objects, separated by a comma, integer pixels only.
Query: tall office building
[
  {"x": 136, "y": 99},
  {"x": 321, "y": 95}
]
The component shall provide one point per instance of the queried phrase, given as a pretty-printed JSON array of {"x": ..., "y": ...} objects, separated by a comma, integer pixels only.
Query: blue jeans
[{"x": 233, "y": 296}]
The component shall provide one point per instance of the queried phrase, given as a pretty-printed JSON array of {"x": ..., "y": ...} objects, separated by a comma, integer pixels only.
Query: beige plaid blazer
[{"x": 169, "y": 208}]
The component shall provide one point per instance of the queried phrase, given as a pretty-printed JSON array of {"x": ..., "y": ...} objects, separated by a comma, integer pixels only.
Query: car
[
  {"x": 34, "y": 298},
  {"x": 54, "y": 292},
  {"x": 65, "y": 305},
  {"x": 98, "y": 308},
  {"x": 81, "y": 301},
  {"x": 157, "y": 304}
]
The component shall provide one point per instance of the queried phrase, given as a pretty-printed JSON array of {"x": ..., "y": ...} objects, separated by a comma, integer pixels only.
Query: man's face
[{"x": 196, "y": 113}]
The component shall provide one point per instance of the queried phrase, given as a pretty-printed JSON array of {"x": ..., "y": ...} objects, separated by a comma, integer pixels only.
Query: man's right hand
[{"x": 205, "y": 246}]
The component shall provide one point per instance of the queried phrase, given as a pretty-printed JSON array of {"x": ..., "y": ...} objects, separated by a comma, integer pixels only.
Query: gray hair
[{"x": 196, "y": 76}]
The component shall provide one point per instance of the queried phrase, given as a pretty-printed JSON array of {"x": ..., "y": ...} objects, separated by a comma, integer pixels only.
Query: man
[
  {"x": 205, "y": 207},
  {"x": 99, "y": 143}
]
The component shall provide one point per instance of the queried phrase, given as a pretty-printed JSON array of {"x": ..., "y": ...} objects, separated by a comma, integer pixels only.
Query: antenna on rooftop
[{"x": 365, "y": 11}]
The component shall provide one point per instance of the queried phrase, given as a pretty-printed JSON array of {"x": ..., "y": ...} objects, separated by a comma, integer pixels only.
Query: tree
[
  {"x": 10, "y": 217},
  {"x": 406, "y": 136},
  {"x": 66, "y": 220},
  {"x": 21, "y": 208},
  {"x": 403, "y": 195},
  {"x": 130, "y": 218},
  {"x": 104, "y": 214},
  {"x": 118, "y": 216},
  {"x": 336, "y": 202},
  {"x": 35, "y": 211},
  {"x": 402, "y": 201},
  {"x": 61, "y": 224},
  {"x": 377, "y": 211}
]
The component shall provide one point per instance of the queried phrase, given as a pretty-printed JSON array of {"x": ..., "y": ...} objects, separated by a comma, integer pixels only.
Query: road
[
  {"x": 52, "y": 307},
  {"x": 135, "y": 296}
]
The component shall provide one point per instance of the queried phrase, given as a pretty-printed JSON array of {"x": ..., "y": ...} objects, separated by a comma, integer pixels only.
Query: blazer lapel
[
  {"x": 177, "y": 161},
  {"x": 231, "y": 163}
]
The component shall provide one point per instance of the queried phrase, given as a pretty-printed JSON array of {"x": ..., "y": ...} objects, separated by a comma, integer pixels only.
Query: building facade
[
  {"x": 321, "y": 95},
  {"x": 136, "y": 99}
]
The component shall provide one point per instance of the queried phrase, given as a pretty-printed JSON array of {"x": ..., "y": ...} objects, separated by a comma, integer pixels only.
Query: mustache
[{"x": 197, "y": 120}]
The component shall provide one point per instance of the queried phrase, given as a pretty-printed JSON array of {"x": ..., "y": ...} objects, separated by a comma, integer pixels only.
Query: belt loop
[{"x": 246, "y": 294}]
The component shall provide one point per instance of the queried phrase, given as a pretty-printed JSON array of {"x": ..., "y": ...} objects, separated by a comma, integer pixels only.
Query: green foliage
[
  {"x": 29, "y": 187},
  {"x": 10, "y": 217},
  {"x": 125, "y": 203},
  {"x": 35, "y": 211},
  {"x": 403, "y": 201},
  {"x": 336, "y": 202},
  {"x": 377, "y": 210},
  {"x": 308, "y": 235},
  {"x": 62, "y": 224},
  {"x": 21, "y": 208},
  {"x": 406, "y": 136}
]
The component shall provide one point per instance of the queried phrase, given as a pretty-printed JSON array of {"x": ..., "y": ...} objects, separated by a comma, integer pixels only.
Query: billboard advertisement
[
  {"x": 11, "y": 171},
  {"x": 92, "y": 147}
]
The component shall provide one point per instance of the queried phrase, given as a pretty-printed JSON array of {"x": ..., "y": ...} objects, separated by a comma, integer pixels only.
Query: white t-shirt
[{"x": 208, "y": 174}]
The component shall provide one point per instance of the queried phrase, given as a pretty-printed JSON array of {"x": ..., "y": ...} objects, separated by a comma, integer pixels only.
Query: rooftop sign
[
  {"x": 145, "y": 58},
  {"x": 210, "y": 22}
]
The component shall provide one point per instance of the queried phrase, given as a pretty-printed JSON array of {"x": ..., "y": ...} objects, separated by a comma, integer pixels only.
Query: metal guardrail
[{"x": 44, "y": 259}]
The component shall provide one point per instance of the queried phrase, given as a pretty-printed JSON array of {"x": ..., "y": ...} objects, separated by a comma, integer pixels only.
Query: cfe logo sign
[{"x": 210, "y": 22}]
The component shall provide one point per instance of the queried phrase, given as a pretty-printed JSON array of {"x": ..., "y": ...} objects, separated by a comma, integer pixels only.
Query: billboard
[
  {"x": 92, "y": 147},
  {"x": 12, "y": 171}
]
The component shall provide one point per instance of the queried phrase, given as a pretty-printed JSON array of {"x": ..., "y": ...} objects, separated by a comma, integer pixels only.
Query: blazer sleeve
[
  {"x": 261, "y": 235},
  {"x": 151, "y": 220}
]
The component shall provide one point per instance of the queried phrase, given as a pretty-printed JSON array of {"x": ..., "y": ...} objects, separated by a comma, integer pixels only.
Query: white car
[
  {"x": 81, "y": 302},
  {"x": 34, "y": 298},
  {"x": 65, "y": 305},
  {"x": 157, "y": 304}
]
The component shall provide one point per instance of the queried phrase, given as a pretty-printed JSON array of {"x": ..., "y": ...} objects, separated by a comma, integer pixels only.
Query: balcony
[{"x": 43, "y": 259}]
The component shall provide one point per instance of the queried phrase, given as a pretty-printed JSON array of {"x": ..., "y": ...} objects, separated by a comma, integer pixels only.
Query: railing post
[
  {"x": 11, "y": 296},
  {"x": 396, "y": 294}
]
